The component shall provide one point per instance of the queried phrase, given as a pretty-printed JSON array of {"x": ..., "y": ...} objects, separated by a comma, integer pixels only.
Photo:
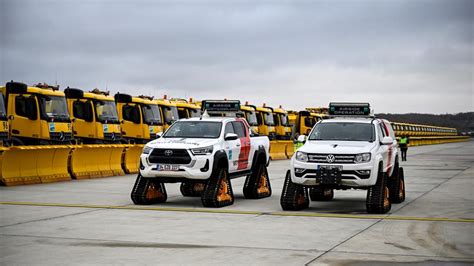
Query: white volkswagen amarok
[{"x": 351, "y": 150}]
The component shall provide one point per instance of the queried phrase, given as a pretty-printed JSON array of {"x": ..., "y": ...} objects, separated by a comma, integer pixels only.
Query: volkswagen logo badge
[
  {"x": 168, "y": 153},
  {"x": 330, "y": 158}
]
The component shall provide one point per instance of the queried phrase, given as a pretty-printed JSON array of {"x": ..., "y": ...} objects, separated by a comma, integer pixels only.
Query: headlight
[
  {"x": 203, "y": 150},
  {"x": 301, "y": 156},
  {"x": 147, "y": 150},
  {"x": 362, "y": 157}
]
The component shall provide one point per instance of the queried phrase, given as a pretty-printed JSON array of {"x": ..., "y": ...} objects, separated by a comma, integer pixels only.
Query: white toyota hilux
[
  {"x": 204, "y": 154},
  {"x": 351, "y": 150}
]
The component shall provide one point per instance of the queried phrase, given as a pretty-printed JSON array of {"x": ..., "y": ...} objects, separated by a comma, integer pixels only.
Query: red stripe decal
[{"x": 244, "y": 147}]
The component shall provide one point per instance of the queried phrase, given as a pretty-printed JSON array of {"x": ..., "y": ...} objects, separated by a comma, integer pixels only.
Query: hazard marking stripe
[{"x": 223, "y": 211}]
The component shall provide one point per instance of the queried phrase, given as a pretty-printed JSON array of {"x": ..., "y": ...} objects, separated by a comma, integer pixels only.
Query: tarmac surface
[{"x": 94, "y": 222}]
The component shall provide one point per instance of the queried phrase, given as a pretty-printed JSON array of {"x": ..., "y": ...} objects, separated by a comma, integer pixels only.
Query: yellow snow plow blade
[
  {"x": 21, "y": 165},
  {"x": 131, "y": 158},
  {"x": 278, "y": 149},
  {"x": 290, "y": 149},
  {"x": 100, "y": 160}
]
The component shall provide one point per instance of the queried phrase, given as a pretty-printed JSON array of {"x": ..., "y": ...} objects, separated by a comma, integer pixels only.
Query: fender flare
[{"x": 218, "y": 156}]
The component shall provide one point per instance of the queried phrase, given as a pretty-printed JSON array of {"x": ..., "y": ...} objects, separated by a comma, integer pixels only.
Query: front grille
[
  {"x": 177, "y": 156},
  {"x": 112, "y": 136},
  {"x": 60, "y": 136},
  {"x": 338, "y": 158},
  {"x": 346, "y": 174}
]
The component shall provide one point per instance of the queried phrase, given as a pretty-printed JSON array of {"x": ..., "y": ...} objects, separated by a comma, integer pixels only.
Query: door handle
[{"x": 238, "y": 145}]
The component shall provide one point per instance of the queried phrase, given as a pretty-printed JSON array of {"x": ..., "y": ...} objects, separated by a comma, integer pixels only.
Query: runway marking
[{"x": 223, "y": 211}]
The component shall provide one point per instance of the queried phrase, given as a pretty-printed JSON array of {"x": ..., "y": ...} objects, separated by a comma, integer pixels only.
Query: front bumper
[
  {"x": 352, "y": 175},
  {"x": 199, "y": 168}
]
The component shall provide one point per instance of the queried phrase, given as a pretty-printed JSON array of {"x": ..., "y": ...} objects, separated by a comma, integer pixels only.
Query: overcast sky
[{"x": 401, "y": 56}]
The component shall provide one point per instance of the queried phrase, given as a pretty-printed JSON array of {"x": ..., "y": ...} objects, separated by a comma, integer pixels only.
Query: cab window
[
  {"x": 20, "y": 106},
  {"x": 239, "y": 129},
  {"x": 228, "y": 129}
]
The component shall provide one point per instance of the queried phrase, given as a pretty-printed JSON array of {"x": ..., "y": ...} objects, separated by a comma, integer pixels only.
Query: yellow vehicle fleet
[
  {"x": 169, "y": 112},
  {"x": 250, "y": 115},
  {"x": 4, "y": 132},
  {"x": 37, "y": 114},
  {"x": 303, "y": 121},
  {"x": 186, "y": 109},
  {"x": 140, "y": 118},
  {"x": 266, "y": 122},
  {"x": 94, "y": 116},
  {"x": 282, "y": 125}
]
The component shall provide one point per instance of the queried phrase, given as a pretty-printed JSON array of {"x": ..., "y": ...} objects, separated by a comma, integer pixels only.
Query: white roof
[
  {"x": 209, "y": 119},
  {"x": 367, "y": 120}
]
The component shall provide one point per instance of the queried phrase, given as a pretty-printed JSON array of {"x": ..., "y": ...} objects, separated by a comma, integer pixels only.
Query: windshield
[
  {"x": 251, "y": 118},
  {"x": 343, "y": 131},
  {"x": 269, "y": 119},
  {"x": 3, "y": 113},
  {"x": 106, "y": 111},
  {"x": 170, "y": 113},
  {"x": 54, "y": 107},
  {"x": 284, "y": 119},
  {"x": 194, "y": 129},
  {"x": 194, "y": 112},
  {"x": 151, "y": 114}
]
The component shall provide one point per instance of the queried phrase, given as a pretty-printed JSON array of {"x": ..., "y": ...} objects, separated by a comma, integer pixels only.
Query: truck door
[
  {"x": 131, "y": 121},
  {"x": 385, "y": 150},
  {"x": 82, "y": 112},
  {"x": 232, "y": 148},
  {"x": 243, "y": 132},
  {"x": 26, "y": 119}
]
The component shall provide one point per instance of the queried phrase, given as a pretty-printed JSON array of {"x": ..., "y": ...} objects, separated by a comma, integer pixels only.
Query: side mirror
[
  {"x": 302, "y": 138},
  {"x": 122, "y": 121},
  {"x": 11, "y": 117},
  {"x": 387, "y": 140},
  {"x": 159, "y": 134},
  {"x": 31, "y": 108},
  {"x": 231, "y": 136}
]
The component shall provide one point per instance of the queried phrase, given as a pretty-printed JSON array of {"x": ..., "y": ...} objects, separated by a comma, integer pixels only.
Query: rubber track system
[
  {"x": 192, "y": 189},
  {"x": 378, "y": 200},
  {"x": 148, "y": 191},
  {"x": 218, "y": 192},
  {"x": 321, "y": 194},
  {"x": 396, "y": 185},
  {"x": 294, "y": 197},
  {"x": 257, "y": 184}
]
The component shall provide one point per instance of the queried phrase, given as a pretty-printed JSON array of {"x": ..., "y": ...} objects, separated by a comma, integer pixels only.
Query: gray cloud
[{"x": 402, "y": 56}]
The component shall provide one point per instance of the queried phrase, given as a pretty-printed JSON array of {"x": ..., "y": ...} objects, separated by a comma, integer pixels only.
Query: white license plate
[
  {"x": 167, "y": 167},
  {"x": 330, "y": 167}
]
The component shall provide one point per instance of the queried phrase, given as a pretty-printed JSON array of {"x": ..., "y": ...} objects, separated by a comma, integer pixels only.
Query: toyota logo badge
[
  {"x": 168, "y": 153},
  {"x": 330, "y": 158}
]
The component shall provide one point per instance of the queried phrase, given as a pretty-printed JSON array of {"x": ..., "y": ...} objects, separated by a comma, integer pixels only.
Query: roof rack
[
  {"x": 44, "y": 85},
  {"x": 146, "y": 97},
  {"x": 97, "y": 91}
]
